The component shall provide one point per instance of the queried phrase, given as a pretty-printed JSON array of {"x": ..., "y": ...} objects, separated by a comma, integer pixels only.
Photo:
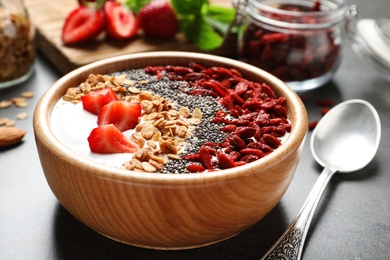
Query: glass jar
[
  {"x": 298, "y": 41},
  {"x": 371, "y": 41},
  {"x": 17, "y": 43}
]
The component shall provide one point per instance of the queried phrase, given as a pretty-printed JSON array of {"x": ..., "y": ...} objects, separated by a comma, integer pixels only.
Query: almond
[{"x": 10, "y": 136}]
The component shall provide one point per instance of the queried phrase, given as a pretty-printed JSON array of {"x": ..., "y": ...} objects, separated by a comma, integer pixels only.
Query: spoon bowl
[{"x": 345, "y": 140}]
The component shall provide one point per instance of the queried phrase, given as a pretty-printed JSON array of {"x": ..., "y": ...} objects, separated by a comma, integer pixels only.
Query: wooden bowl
[{"x": 167, "y": 211}]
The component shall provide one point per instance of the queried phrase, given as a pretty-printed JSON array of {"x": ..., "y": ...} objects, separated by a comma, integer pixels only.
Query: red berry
[
  {"x": 94, "y": 101},
  {"x": 82, "y": 24},
  {"x": 205, "y": 158},
  {"x": 123, "y": 114},
  {"x": 225, "y": 162},
  {"x": 108, "y": 139},
  {"x": 158, "y": 19},
  {"x": 121, "y": 23},
  {"x": 195, "y": 168}
]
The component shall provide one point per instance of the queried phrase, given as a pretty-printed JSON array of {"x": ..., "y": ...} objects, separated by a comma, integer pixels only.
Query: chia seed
[{"x": 176, "y": 91}]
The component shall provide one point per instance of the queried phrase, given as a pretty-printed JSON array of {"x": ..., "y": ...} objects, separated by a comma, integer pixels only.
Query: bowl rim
[{"x": 42, "y": 129}]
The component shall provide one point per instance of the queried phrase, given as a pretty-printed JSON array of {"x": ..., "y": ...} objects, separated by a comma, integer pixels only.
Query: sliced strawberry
[
  {"x": 108, "y": 139},
  {"x": 123, "y": 114},
  {"x": 121, "y": 23},
  {"x": 82, "y": 24},
  {"x": 158, "y": 19},
  {"x": 94, "y": 101}
]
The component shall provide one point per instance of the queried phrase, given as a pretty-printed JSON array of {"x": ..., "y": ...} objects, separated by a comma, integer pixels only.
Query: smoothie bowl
[{"x": 169, "y": 150}]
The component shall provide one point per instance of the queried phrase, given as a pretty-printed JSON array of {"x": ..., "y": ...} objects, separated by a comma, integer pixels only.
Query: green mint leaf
[
  {"x": 136, "y": 5},
  {"x": 220, "y": 13},
  {"x": 202, "y": 34},
  {"x": 188, "y": 7},
  {"x": 220, "y": 18},
  {"x": 202, "y": 23}
]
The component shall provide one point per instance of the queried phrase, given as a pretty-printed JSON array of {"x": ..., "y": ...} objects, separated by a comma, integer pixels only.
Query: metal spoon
[
  {"x": 345, "y": 140},
  {"x": 384, "y": 27}
]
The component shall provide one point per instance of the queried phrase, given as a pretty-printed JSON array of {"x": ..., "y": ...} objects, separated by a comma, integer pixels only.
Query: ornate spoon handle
[{"x": 290, "y": 244}]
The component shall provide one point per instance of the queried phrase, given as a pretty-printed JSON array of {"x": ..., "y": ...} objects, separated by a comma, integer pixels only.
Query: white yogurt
[{"x": 72, "y": 125}]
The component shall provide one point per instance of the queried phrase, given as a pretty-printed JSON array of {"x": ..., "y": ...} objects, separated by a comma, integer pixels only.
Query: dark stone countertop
[{"x": 352, "y": 221}]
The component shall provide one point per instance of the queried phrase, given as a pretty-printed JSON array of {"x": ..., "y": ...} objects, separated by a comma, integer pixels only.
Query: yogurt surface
[{"x": 71, "y": 125}]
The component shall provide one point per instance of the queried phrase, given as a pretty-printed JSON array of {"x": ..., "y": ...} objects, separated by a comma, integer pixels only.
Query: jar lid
[{"x": 373, "y": 39}]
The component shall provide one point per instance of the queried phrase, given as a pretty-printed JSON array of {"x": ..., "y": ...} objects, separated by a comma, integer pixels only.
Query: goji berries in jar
[
  {"x": 17, "y": 47},
  {"x": 299, "y": 41}
]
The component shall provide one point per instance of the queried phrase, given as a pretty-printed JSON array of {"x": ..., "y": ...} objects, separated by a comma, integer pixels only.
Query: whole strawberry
[{"x": 158, "y": 19}]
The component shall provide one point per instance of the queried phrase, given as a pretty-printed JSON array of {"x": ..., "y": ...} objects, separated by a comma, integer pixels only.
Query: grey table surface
[{"x": 352, "y": 222}]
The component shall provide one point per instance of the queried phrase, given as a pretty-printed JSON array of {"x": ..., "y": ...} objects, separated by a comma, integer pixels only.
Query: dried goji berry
[
  {"x": 262, "y": 118},
  {"x": 237, "y": 142},
  {"x": 225, "y": 162},
  {"x": 234, "y": 155},
  {"x": 227, "y": 102},
  {"x": 286, "y": 126},
  {"x": 229, "y": 149},
  {"x": 313, "y": 125},
  {"x": 270, "y": 140},
  {"x": 239, "y": 163},
  {"x": 194, "y": 76},
  {"x": 196, "y": 66},
  {"x": 245, "y": 132},
  {"x": 324, "y": 110},
  {"x": 154, "y": 69},
  {"x": 240, "y": 122},
  {"x": 280, "y": 111},
  {"x": 269, "y": 105},
  {"x": 249, "y": 116},
  {"x": 234, "y": 113},
  {"x": 274, "y": 37},
  {"x": 205, "y": 158},
  {"x": 213, "y": 144},
  {"x": 256, "y": 152},
  {"x": 181, "y": 70},
  {"x": 237, "y": 99},
  {"x": 249, "y": 158},
  {"x": 220, "y": 113},
  {"x": 195, "y": 168},
  {"x": 317, "y": 6},
  {"x": 229, "y": 128},
  {"x": 193, "y": 157},
  {"x": 222, "y": 72},
  {"x": 236, "y": 73},
  {"x": 217, "y": 88},
  {"x": 241, "y": 87},
  {"x": 220, "y": 120},
  {"x": 268, "y": 90},
  {"x": 267, "y": 129},
  {"x": 260, "y": 146},
  {"x": 252, "y": 104}
]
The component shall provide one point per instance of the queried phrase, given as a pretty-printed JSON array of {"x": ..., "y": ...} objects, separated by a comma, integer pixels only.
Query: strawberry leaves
[{"x": 202, "y": 23}]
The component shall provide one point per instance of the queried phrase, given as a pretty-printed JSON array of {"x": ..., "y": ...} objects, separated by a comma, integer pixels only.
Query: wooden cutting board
[{"x": 48, "y": 17}]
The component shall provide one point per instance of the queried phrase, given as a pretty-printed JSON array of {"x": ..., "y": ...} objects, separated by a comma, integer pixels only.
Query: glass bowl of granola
[{"x": 169, "y": 150}]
